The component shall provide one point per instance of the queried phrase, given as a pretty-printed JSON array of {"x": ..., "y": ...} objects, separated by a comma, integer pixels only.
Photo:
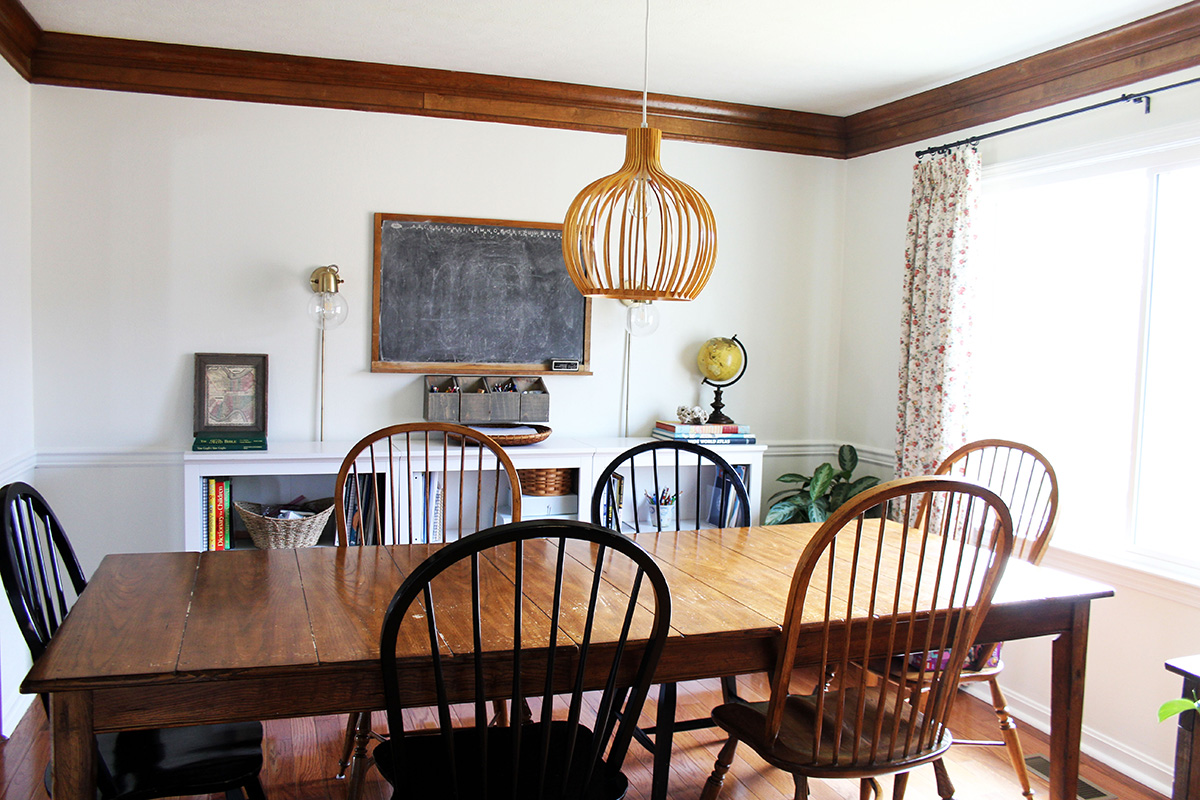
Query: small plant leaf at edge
[{"x": 1178, "y": 706}]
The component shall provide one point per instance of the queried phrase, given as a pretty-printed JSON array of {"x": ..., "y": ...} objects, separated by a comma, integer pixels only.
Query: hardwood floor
[{"x": 301, "y": 760}]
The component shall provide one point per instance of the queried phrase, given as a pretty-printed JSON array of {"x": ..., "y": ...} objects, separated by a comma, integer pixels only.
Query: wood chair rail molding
[{"x": 1150, "y": 47}]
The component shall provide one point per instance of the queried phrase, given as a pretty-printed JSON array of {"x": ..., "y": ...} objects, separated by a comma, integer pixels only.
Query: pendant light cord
[
  {"x": 645, "y": 63},
  {"x": 626, "y": 358}
]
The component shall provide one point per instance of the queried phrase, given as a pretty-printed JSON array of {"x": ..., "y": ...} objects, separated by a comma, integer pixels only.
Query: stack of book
[{"x": 702, "y": 434}]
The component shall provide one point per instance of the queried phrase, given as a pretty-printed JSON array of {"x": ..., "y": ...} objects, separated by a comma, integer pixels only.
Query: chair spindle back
[
  {"x": 1023, "y": 478},
  {"x": 543, "y": 610},
  {"x": 703, "y": 487},
  {"x": 929, "y": 603},
  {"x": 423, "y": 482},
  {"x": 41, "y": 574}
]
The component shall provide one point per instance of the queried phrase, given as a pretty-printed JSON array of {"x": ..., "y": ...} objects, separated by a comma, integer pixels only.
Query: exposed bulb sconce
[
  {"x": 327, "y": 308},
  {"x": 641, "y": 317},
  {"x": 640, "y": 234}
]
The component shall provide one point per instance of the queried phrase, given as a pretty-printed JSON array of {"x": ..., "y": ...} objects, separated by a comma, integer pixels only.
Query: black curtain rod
[{"x": 1138, "y": 97}]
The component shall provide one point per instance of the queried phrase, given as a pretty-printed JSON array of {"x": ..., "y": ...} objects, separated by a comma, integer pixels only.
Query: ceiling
[{"x": 835, "y": 58}]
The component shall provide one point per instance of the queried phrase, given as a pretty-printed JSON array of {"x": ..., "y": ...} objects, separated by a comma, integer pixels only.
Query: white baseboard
[{"x": 1135, "y": 765}]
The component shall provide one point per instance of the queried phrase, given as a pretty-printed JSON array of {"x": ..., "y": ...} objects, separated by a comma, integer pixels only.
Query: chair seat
[
  {"x": 190, "y": 761},
  {"x": 427, "y": 755},
  {"x": 793, "y": 749}
]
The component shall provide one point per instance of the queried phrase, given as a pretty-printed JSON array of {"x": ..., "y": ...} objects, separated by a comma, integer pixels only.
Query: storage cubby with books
[{"x": 309, "y": 469}]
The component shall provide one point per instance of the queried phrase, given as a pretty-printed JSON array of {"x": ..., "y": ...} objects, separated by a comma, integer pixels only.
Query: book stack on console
[
  {"x": 702, "y": 434},
  {"x": 229, "y": 441}
]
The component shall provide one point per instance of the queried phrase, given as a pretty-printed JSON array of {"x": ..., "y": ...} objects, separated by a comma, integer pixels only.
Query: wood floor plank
[{"x": 301, "y": 759}]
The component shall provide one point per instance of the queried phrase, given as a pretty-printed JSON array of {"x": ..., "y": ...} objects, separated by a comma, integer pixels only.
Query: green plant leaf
[
  {"x": 821, "y": 481},
  {"x": 819, "y": 510},
  {"x": 847, "y": 458},
  {"x": 862, "y": 484},
  {"x": 1173, "y": 707},
  {"x": 783, "y": 512},
  {"x": 781, "y": 495},
  {"x": 839, "y": 494},
  {"x": 791, "y": 477}
]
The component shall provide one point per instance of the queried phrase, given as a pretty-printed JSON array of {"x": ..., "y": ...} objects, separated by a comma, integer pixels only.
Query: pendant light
[{"x": 640, "y": 235}]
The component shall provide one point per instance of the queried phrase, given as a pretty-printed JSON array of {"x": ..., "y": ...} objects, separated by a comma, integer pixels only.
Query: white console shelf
[{"x": 289, "y": 469}]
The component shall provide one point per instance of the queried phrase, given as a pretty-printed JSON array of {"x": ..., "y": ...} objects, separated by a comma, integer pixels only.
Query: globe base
[{"x": 717, "y": 417}]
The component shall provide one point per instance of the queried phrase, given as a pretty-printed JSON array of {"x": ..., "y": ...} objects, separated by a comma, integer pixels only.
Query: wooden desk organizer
[{"x": 486, "y": 399}]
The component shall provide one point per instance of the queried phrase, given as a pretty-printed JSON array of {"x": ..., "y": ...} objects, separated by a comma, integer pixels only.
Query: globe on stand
[{"x": 722, "y": 362}]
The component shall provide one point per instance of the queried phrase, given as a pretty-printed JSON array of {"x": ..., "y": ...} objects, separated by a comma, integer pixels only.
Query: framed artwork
[{"x": 231, "y": 394}]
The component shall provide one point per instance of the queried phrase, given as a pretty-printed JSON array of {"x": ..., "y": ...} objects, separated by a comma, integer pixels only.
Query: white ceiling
[{"x": 827, "y": 56}]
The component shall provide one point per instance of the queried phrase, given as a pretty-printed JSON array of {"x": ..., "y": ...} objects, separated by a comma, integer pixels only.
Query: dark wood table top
[{"x": 193, "y": 618}]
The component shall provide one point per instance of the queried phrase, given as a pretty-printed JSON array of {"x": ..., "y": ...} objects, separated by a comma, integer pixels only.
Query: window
[{"x": 1084, "y": 343}]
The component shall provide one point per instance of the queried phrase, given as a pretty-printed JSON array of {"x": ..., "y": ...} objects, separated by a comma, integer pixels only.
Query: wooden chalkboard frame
[{"x": 380, "y": 362}]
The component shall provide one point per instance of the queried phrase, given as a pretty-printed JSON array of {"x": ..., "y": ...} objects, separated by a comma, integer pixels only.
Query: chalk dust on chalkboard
[{"x": 459, "y": 292}]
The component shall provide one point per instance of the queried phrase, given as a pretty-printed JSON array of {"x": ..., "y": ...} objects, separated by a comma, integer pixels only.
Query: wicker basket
[
  {"x": 269, "y": 533},
  {"x": 547, "y": 481}
]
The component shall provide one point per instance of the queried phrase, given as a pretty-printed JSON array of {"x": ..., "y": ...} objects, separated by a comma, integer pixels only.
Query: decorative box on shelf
[{"x": 486, "y": 399}]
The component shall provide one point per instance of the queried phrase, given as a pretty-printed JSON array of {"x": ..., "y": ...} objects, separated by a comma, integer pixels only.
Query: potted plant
[{"x": 819, "y": 494}]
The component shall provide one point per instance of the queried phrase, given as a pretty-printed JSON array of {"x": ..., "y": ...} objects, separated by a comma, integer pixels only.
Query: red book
[
  {"x": 681, "y": 429},
  {"x": 219, "y": 540}
]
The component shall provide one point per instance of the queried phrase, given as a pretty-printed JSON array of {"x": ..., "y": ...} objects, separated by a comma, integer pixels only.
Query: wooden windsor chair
[
  {"x": 865, "y": 588},
  {"x": 42, "y": 579},
  {"x": 545, "y": 610},
  {"x": 1026, "y": 482},
  {"x": 707, "y": 492},
  {"x": 416, "y": 483}
]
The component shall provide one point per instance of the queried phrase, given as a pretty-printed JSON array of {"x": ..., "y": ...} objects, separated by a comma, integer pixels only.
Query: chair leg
[
  {"x": 1012, "y": 742},
  {"x": 945, "y": 786},
  {"x": 899, "y": 784},
  {"x": 360, "y": 761},
  {"x": 254, "y": 790},
  {"x": 729, "y": 689},
  {"x": 712, "y": 786},
  {"x": 348, "y": 745},
  {"x": 801, "y": 783}
]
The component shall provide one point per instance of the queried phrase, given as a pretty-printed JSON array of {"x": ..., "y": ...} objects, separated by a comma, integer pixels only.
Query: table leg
[
  {"x": 1068, "y": 659},
  {"x": 664, "y": 734},
  {"x": 72, "y": 746}
]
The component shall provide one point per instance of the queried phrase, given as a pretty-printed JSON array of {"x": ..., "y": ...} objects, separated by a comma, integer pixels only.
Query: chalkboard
[{"x": 474, "y": 296}]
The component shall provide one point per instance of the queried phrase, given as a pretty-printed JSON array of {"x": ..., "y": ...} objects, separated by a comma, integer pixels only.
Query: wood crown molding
[
  {"x": 1148, "y": 48},
  {"x": 19, "y": 35},
  {"x": 65, "y": 59}
]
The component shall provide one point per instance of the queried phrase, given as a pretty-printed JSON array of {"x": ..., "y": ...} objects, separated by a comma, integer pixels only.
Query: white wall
[
  {"x": 168, "y": 226},
  {"x": 16, "y": 350},
  {"x": 1150, "y": 619}
]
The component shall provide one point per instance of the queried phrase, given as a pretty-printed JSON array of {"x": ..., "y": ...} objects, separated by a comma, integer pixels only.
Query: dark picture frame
[{"x": 231, "y": 394}]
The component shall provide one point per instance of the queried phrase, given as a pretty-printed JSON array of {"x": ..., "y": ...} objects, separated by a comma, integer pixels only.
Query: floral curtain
[{"x": 934, "y": 352}]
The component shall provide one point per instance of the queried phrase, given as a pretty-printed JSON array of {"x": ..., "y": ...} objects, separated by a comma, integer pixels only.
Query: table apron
[{"x": 313, "y": 692}]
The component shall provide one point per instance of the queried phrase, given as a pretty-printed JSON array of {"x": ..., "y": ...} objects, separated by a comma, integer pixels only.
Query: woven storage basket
[
  {"x": 269, "y": 533},
  {"x": 547, "y": 481}
]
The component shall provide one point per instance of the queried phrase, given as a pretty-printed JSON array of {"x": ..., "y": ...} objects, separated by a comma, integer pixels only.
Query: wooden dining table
[{"x": 186, "y": 638}]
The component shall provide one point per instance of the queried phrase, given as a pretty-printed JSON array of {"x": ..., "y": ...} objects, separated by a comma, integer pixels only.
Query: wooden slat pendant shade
[{"x": 640, "y": 234}]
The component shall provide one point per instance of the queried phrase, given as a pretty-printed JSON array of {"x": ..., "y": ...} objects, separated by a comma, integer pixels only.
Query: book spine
[
  {"x": 212, "y": 513},
  {"x": 204, "y": 511},
  {"x": 706, "y": 440},
  {"x": 228, "y": 514},
  {"x": 219, "y": 538}
]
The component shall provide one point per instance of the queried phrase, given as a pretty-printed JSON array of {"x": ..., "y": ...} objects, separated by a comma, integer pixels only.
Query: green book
[{"x": 229, "y": 442}]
